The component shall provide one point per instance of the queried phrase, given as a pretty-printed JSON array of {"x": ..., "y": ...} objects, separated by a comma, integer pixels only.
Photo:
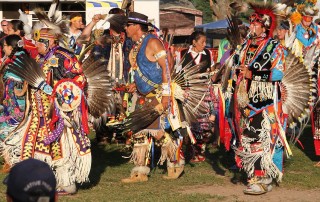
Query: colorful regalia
[
  {"x": 148, "y": 76},
  {"x": 152, "y": 125},
  {"x": 62, "y": 91},
  {"x": 254, "y": 103},
  {"x": 55, "y": 129},
  {"x": 12, "y": 108},
  {"x": 203, "y": 129}
]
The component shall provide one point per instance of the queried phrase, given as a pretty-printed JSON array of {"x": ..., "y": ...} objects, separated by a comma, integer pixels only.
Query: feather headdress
[
  {"x": 264, "y": 14},
  {"x": 26, "y": 27},
  {"x": 53, "y": 21}
]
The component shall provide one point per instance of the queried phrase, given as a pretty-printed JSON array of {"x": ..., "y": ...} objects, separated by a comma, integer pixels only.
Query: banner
[{"x": 100, "y": 7}]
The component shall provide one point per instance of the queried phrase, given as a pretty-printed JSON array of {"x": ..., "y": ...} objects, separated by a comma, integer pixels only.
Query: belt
[{"x": 151, "y": 83}]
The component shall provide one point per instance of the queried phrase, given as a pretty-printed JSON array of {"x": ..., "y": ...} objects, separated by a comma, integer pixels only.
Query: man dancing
[
  {"x": 151, "y": 70},
  {"x": 255, "y": 98}
]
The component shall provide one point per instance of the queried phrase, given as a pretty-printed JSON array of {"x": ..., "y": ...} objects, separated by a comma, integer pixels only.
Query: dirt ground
[{"x": 231, "y": 192}]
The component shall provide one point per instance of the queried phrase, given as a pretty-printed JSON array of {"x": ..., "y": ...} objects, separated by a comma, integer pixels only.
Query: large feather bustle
[
  {"x": 99, "y": 91},
  {"x": 28, "y": 69},
  {"x": 191, "y": 88},
  {"x": 296, "y": 90}
]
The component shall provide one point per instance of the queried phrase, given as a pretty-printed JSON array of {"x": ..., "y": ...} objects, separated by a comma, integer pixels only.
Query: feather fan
[
  {"x": 141, "y": 118},
  {"x": 99, "y": 91},
  {"x": 28, "y": 69},
  {"x": 189, "y": 86}
]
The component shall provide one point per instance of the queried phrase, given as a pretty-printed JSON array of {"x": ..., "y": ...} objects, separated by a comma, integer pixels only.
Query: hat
[
  {"x": 138, "y": 18},
  {"x": 284, "y": 24},
  {"x": 31, "y": 180},
  {"x": 317, "y": 21},
  {"x": 117, "y": 22}
]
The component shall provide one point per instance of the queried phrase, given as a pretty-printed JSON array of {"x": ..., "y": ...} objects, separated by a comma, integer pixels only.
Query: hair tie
[{"x": 20, "y": 43}]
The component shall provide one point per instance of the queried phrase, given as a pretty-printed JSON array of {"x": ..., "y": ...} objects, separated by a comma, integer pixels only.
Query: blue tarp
[{"x": 220, "y": 24}]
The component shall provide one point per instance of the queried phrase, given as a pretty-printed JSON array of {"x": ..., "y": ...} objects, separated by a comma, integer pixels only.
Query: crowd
[{"x": 60, "y": 79}]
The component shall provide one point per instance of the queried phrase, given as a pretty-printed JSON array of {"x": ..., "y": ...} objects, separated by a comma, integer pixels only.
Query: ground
[{"x": 212, "y": 180}]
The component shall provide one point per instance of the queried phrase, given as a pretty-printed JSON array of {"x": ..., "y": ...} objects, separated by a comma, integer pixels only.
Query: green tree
[
  {"x": 204, "y": 6},
  {"x": 213, "y": 10}
]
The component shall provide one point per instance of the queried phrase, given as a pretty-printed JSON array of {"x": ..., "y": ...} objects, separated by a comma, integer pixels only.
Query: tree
[
  {"x": 204, "y": 6},
  {"x": 215, "y": 9}
]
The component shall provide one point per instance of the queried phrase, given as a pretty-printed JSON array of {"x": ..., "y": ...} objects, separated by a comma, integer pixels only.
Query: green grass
[{"x": 108, "y": 168}]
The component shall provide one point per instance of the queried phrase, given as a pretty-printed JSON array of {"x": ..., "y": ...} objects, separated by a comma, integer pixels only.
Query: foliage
[{"x": 204, "y": 6}]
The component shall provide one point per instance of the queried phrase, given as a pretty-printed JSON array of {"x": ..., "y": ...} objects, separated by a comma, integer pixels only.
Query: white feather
[
  {"x": 26, "y": 27},
  {"x": 23, "y": 17},
  {"x": 52, "y": 9}
]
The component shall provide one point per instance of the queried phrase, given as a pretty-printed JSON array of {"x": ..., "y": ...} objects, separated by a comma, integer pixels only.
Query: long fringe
[
  {"x": 73, "y": 167},
  {"x": 139, "y": 154},
  {"x": 168, "y": 151},
  {"x": 249, "y": 158}
]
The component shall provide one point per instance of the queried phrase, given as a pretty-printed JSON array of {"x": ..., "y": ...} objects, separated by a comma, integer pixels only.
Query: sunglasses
[
  {"x": 3, "y": 25},
  {"x": 255, "y": 18},
  {"x": 129, "y": 24}
]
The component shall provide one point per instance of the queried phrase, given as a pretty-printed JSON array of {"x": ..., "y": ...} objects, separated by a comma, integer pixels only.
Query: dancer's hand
[
  {"x": 244, "y": 70},
  {"x": 165, "y": 102},
  {"x": 131, "y": 87}
]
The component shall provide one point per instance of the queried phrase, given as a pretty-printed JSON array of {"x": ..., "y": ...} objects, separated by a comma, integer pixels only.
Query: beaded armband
[{"x": 160, "y": 54}]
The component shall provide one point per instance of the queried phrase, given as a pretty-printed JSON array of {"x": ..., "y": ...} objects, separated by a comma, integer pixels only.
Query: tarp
[
  {"x": 103, "y": 3},
  {"x": 216, "y": 30},
  {"x": 220, "y": 24}
]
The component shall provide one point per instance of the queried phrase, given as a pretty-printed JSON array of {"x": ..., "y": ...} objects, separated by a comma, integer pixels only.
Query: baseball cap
[{"x": 31, "y": 180}]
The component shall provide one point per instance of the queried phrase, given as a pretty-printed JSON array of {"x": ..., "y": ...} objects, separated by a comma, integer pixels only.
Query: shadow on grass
[
  {"x": 222, "y": 160},
  {"x": 307, "y": 144},
  {"x": 102, "y": 157}
]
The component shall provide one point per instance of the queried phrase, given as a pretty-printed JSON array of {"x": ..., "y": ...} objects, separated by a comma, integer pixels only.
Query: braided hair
[{"x": 15, "y": 42}]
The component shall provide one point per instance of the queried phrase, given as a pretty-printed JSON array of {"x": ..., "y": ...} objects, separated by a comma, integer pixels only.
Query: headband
[
  {"x": 138, "y": 19},
  {"x": 75, "y": 18}
]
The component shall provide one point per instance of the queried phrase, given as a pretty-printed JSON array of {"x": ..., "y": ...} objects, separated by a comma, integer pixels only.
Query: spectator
[
  {"x": 17, "y": 27},
  {"x": 76, "y": 24},
  {"x": 4, "y": 27},
  {"x": 31, "y": 180}
]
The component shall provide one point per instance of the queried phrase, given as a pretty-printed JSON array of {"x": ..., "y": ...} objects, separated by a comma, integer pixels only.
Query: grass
[{"x": 108, "y": 168}]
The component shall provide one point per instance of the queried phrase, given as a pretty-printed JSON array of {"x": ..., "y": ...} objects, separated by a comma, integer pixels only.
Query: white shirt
[{"x": 195, "y": 55}]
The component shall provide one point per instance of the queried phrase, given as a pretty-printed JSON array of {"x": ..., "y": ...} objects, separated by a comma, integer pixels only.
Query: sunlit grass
[{"x": 108, "y": 168}]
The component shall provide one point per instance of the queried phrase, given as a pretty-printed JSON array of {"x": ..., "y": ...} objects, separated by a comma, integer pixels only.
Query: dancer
[
  {"x": 257, "y": 109},
  {"x": 12, "y": 87}
]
